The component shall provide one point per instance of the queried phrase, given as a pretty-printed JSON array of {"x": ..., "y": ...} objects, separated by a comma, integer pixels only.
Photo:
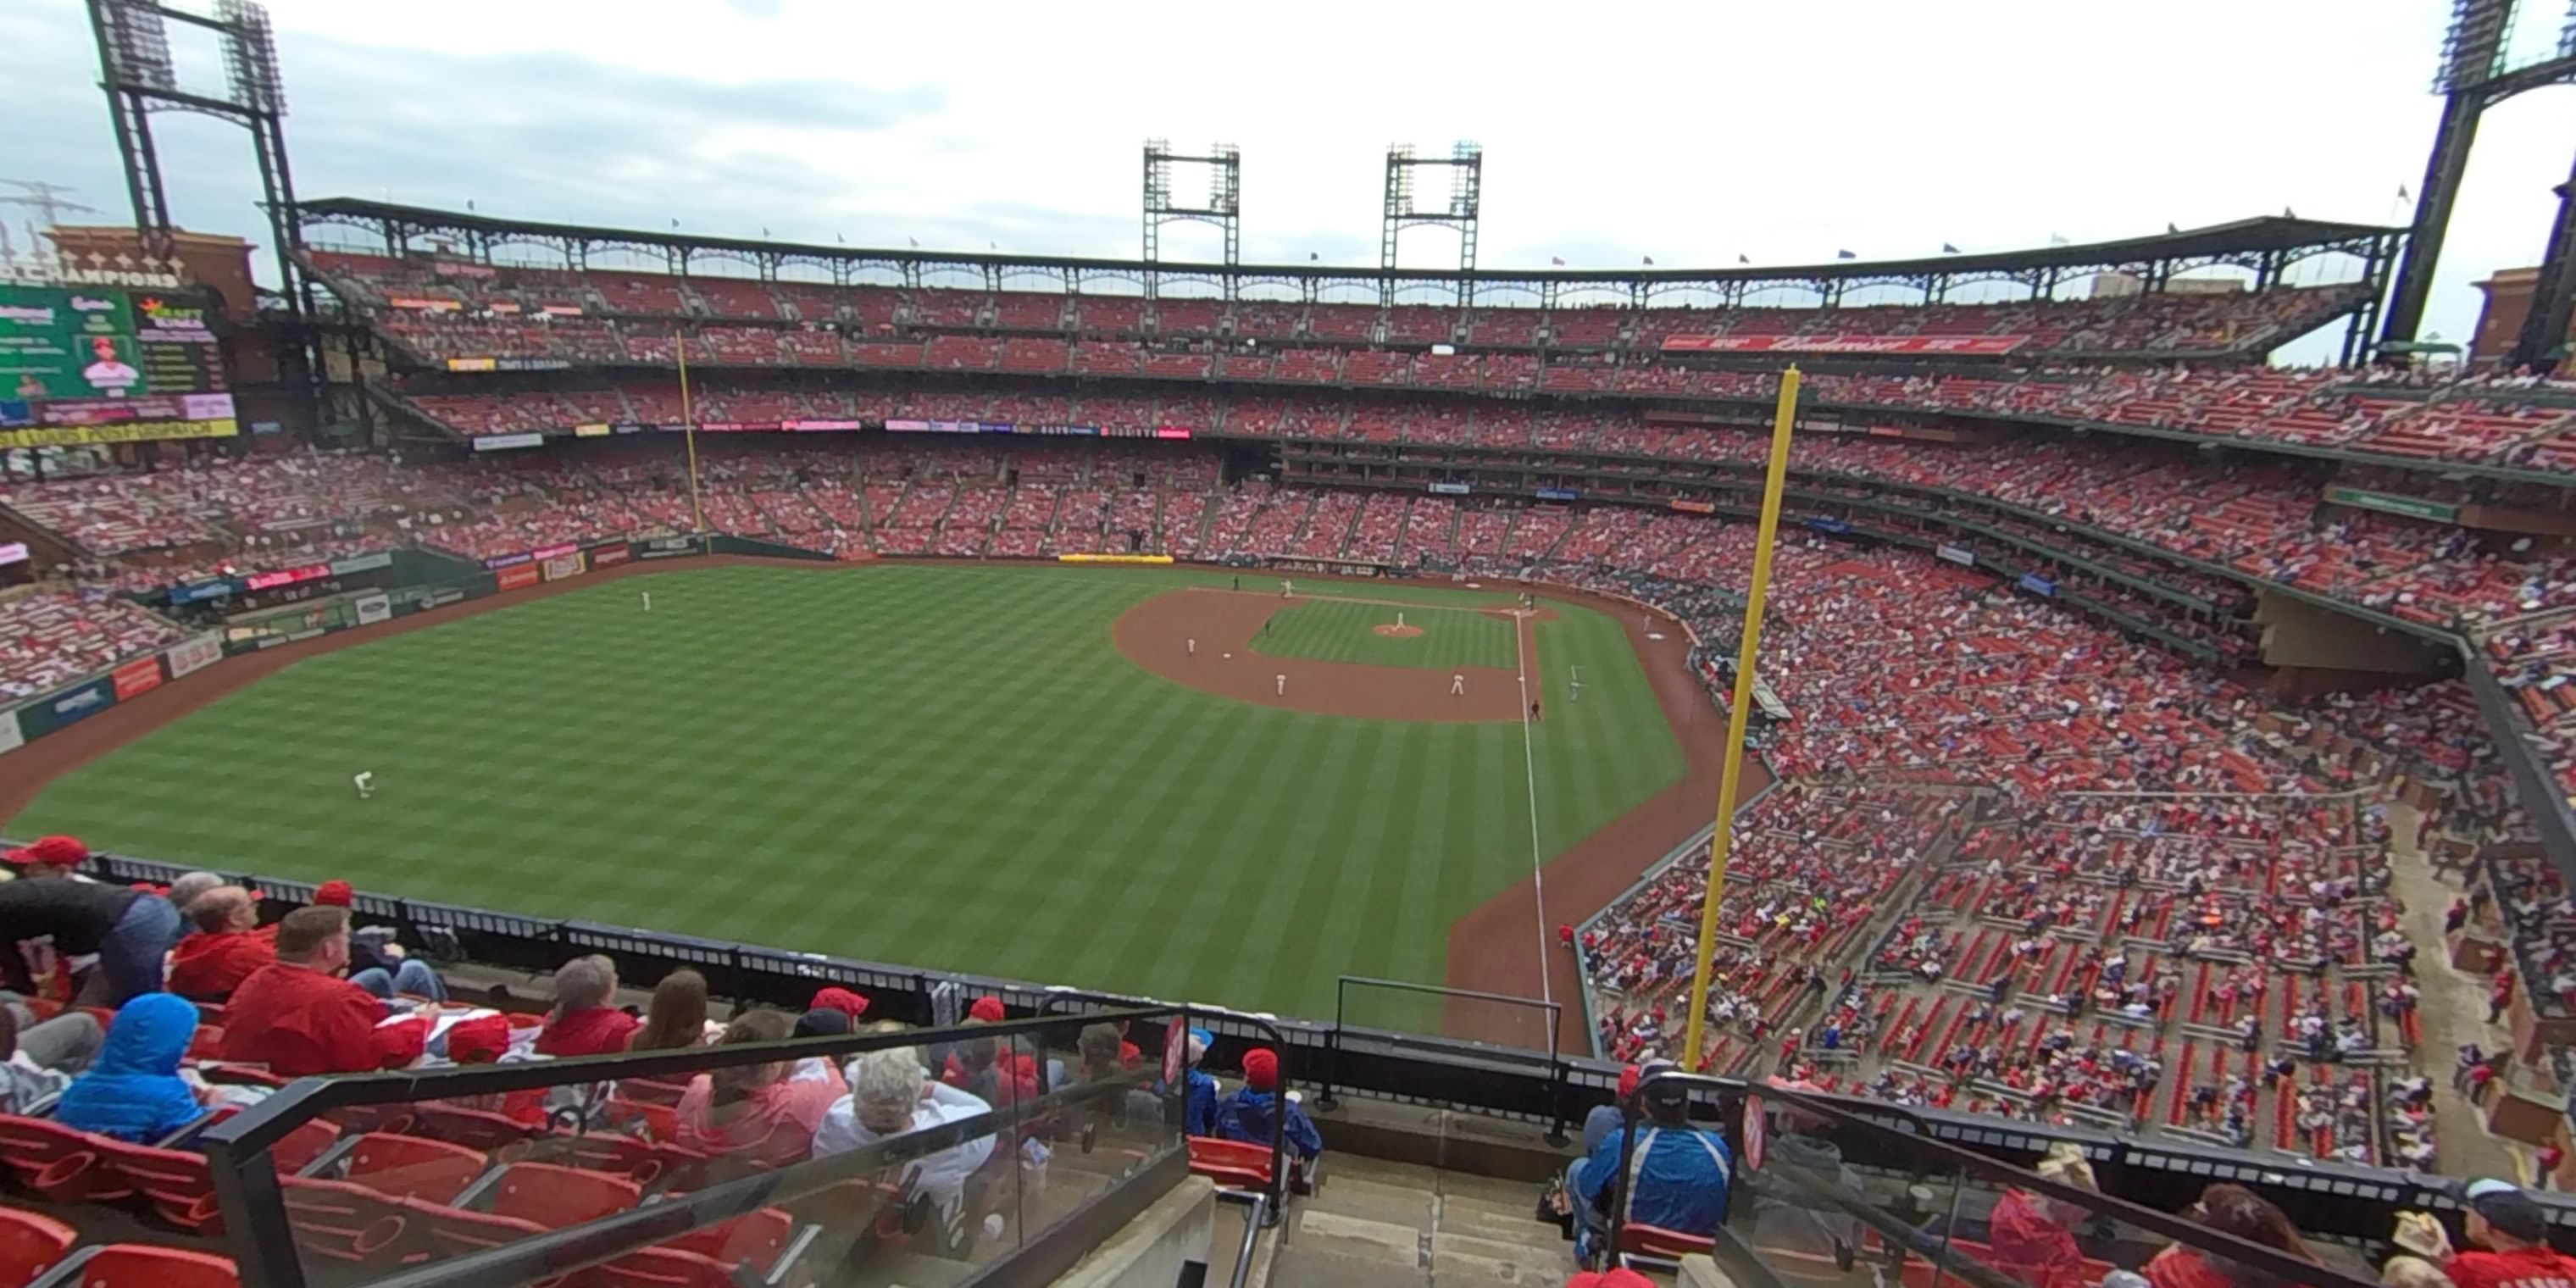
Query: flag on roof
[
  {"x": 1740, "y": 259},
  {"x": 1558, "y": 260},
  {"x": 2057, "y": 239},
  {"x": 2402, "y": 194},
  {"x": 916, "y": 242},
  {"x": 1650, "y": 261},
  {"x": 1844, "y": 254},
  {"x": 1313, "y": 258},
  {"x": 1948, "y": 249},
  {"x": 2171, "y": 228}
]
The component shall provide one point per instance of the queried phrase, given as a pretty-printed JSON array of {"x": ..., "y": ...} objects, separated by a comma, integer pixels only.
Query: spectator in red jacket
[
  {"x": 229, "y": 945},
  {"x": 297, "y": 1016},
  {"x": 2228, "y": 1209},
  {"x": 583, "y": 1021},
  {"x": 2034, "y": 1237},
  {"x": 2510, "y": 1237},
  {"x": 2499, "y": 994}
]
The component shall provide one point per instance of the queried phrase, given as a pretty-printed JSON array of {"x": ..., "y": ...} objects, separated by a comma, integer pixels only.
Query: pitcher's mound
[{"x": 1395, "y": 632}]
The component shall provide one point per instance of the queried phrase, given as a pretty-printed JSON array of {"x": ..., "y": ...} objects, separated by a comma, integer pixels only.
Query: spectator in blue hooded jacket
[
  {"x": 1679, "y": 1174},
  {"x": 1200, "y": 1102},
  {"x": 1246, "y": 1114},
  {"x": 134, "y": 1091}
]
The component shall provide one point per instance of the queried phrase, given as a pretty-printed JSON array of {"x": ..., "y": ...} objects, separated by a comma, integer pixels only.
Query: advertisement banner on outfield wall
[
  {"x": 362, "y": 563},
  {"x": 67, "y": 708},
  {"x": 1963, "y": 558},
  {"x": 190, "y": 656},
  {"x": 562, "y": 566},
  {"x": 505, "y": 561},
  {"x": 609, "y": 556},
  {"x": 10, "y": 738},
  {"x": 668, "y": 548},
  {"x": 372, "y": 609},
  {"x": 136, "y": 677},
  {"x": 519, "y": 578}
]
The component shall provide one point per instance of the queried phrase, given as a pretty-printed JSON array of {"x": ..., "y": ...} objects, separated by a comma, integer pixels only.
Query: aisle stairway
[{"x": 1378, "y": 1224}]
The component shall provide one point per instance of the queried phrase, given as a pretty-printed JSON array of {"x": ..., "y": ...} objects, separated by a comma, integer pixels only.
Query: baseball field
[{"x": 1140, "y": 780}]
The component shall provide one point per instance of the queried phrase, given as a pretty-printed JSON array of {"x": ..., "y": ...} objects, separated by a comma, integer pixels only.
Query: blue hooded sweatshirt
[{"x": 134, "y": 1091}]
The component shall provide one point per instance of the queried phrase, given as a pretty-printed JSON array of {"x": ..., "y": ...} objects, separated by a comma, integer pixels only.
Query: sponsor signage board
[
  {"x": 1982, "y": 345},
  {"x": 518, "y": 577},
  {"x": 2038, "y": 585},
  {"x": 507, "y": 442},
  {"x": 189, "y": 656},
  {"x": 140, "y": 676},
  {"x": 1963, "y": 558}
]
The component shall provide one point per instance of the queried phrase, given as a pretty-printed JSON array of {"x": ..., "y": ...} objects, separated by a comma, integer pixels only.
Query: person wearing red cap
[
  {"x": 1249, "y": 1113},
  {"x": 129, "y": 931},
  {"x": 988, "y": 1009},
  {"x": 297, "y": 1016},
  {"x": 839, "y": 999},
  {"x": 1605, "y": 1120},
  {"x": 229, "y": 945}
]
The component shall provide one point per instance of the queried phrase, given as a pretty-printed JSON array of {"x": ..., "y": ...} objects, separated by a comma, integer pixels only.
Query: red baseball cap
[
  {"x": 52, "y": 851},
  {"x": 839, "y": 999},
  {"x": 334, "y": 894},
  {"x": 1261, "y": 1069},
  {"x": 1620, "y": 1278},
  {"x": 988, "y": 1009}
]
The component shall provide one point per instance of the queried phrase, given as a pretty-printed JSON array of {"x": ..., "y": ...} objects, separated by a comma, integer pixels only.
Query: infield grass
[
  {"x": 939, "y": 766},
  {"x": 1345, "y": 630}
]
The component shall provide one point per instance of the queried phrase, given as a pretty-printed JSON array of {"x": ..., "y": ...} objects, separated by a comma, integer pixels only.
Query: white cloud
[{"x": 1612, "y": 131}]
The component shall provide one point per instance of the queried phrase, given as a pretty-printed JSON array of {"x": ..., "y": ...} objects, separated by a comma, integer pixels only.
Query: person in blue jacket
[
  {"x": 1679, "y": 1174},
  {"x": 134, "y": 1092},
  {"x": 1245, "y": 1115},
  {"x": 1199, "y": 1105}
]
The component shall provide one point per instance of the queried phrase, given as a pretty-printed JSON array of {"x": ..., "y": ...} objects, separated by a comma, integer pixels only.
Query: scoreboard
[{"x": 83, "y": 364}]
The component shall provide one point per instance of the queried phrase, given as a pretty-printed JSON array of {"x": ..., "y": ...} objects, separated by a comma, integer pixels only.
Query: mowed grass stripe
[
  {"x": 1337, "y": 631},
  {"x": 938, "y": 766}
]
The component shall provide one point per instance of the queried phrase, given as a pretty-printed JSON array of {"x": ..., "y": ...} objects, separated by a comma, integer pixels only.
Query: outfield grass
[
  {"x": 1343, "y": 630},
  {"x": 947, "y": 767}
]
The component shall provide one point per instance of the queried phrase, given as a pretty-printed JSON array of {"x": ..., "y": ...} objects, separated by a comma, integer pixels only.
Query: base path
[
  {"x": 1156, "y": 635},
  {"x": 25, "y": 772},
  {"x": 1490, "y": 948}
]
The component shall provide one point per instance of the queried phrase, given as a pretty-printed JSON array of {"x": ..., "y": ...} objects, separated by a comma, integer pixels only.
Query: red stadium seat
[
  {"x": 339, "y": 1221},
  {"x": 29, "y": 1243},
  {"x": 175, "y": 1181},
  {"x": 57, "y": 1162},
  {"x": 660, "y": 1122},
  {"x": 651, "y": 1091},
  {"x": 472, "y": 1128},
  {"x": 556, "y": 1197},
  {"x": 1230, "y": 1162},
  {"x": 135, "y": 1265},
  {"x": 659, "y": 1268},
  {"x": 413, "y": 1167}
]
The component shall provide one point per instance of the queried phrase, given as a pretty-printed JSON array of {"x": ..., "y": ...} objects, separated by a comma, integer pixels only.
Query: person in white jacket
[{"x": 891, "y": 1094}]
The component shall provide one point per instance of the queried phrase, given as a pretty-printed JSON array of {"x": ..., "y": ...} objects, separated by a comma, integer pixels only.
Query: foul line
[{"x": 1529, "y": 765}]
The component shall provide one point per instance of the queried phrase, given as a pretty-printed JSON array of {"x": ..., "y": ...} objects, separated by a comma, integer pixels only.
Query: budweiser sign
[{"x": 1930, "y": 344}]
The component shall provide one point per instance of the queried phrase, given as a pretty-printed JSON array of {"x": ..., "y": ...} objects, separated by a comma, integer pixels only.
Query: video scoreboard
[{"x": 82, "y": 364}]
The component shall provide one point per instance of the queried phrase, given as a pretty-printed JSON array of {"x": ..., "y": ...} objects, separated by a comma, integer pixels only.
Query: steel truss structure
[{"x": 2265, "y": 249}]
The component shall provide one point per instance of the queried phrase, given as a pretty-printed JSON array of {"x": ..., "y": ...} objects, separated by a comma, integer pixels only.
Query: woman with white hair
[
  {"x": 585, "y": 1021},
  {"x": 890, "y": 1095}
]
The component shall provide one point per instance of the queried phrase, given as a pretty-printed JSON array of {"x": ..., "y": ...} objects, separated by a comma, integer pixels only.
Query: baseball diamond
[{"x": 950, "y": 766}]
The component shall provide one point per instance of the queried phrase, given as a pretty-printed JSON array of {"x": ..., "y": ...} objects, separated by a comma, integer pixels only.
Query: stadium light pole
[
  {"x": 1731, "y": 774},
  {"x": 689, "y": 433}
]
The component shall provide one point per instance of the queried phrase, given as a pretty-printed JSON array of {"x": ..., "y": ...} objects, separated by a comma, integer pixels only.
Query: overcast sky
[{"x": 1689, "y": 132}]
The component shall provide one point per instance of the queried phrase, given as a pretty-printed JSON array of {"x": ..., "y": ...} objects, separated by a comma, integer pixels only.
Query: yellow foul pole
[
  {"x": 1731, "y": 777},
  {"x": 689, "y": 431}
]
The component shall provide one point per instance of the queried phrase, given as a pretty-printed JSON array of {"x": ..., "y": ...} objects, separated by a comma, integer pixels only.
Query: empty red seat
[
  {"x": 651, "y": 1091},
  {"x": 644, "y": 1162},
  {"x": 135, "y": 1265},
  {"x": 659, "y": 1268},
  {"x": 340, "y": 1221},
  {"x": 413, "y": 1167},
  {"x": 556, "y": 1197},
  {"x": 1230, "y": 1162},
  {"x": 473, "y": 1128},
  {"x": 29, "y": 1244},
  {"x": 441, "y": 1231},
  {"x": 175, "y": 1181},
  {"x": 57, "y": 1162}
]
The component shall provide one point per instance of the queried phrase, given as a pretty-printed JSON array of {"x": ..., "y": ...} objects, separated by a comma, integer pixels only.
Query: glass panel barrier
[
  {"x": 1827, "y": 1192},
  {"x": 883, "y": 1156}
]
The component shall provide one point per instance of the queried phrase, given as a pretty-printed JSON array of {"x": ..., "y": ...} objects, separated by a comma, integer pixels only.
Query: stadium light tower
[
  {"x": 1223, "y": 164},
  {"x": 136, "y": 70},
  {"x": 1466, "y": 166},
  {"x": 2479, "y": 71}
]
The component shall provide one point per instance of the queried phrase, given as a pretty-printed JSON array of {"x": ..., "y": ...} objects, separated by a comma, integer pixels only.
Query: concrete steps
[{"x": 1380, "y": 1225}]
